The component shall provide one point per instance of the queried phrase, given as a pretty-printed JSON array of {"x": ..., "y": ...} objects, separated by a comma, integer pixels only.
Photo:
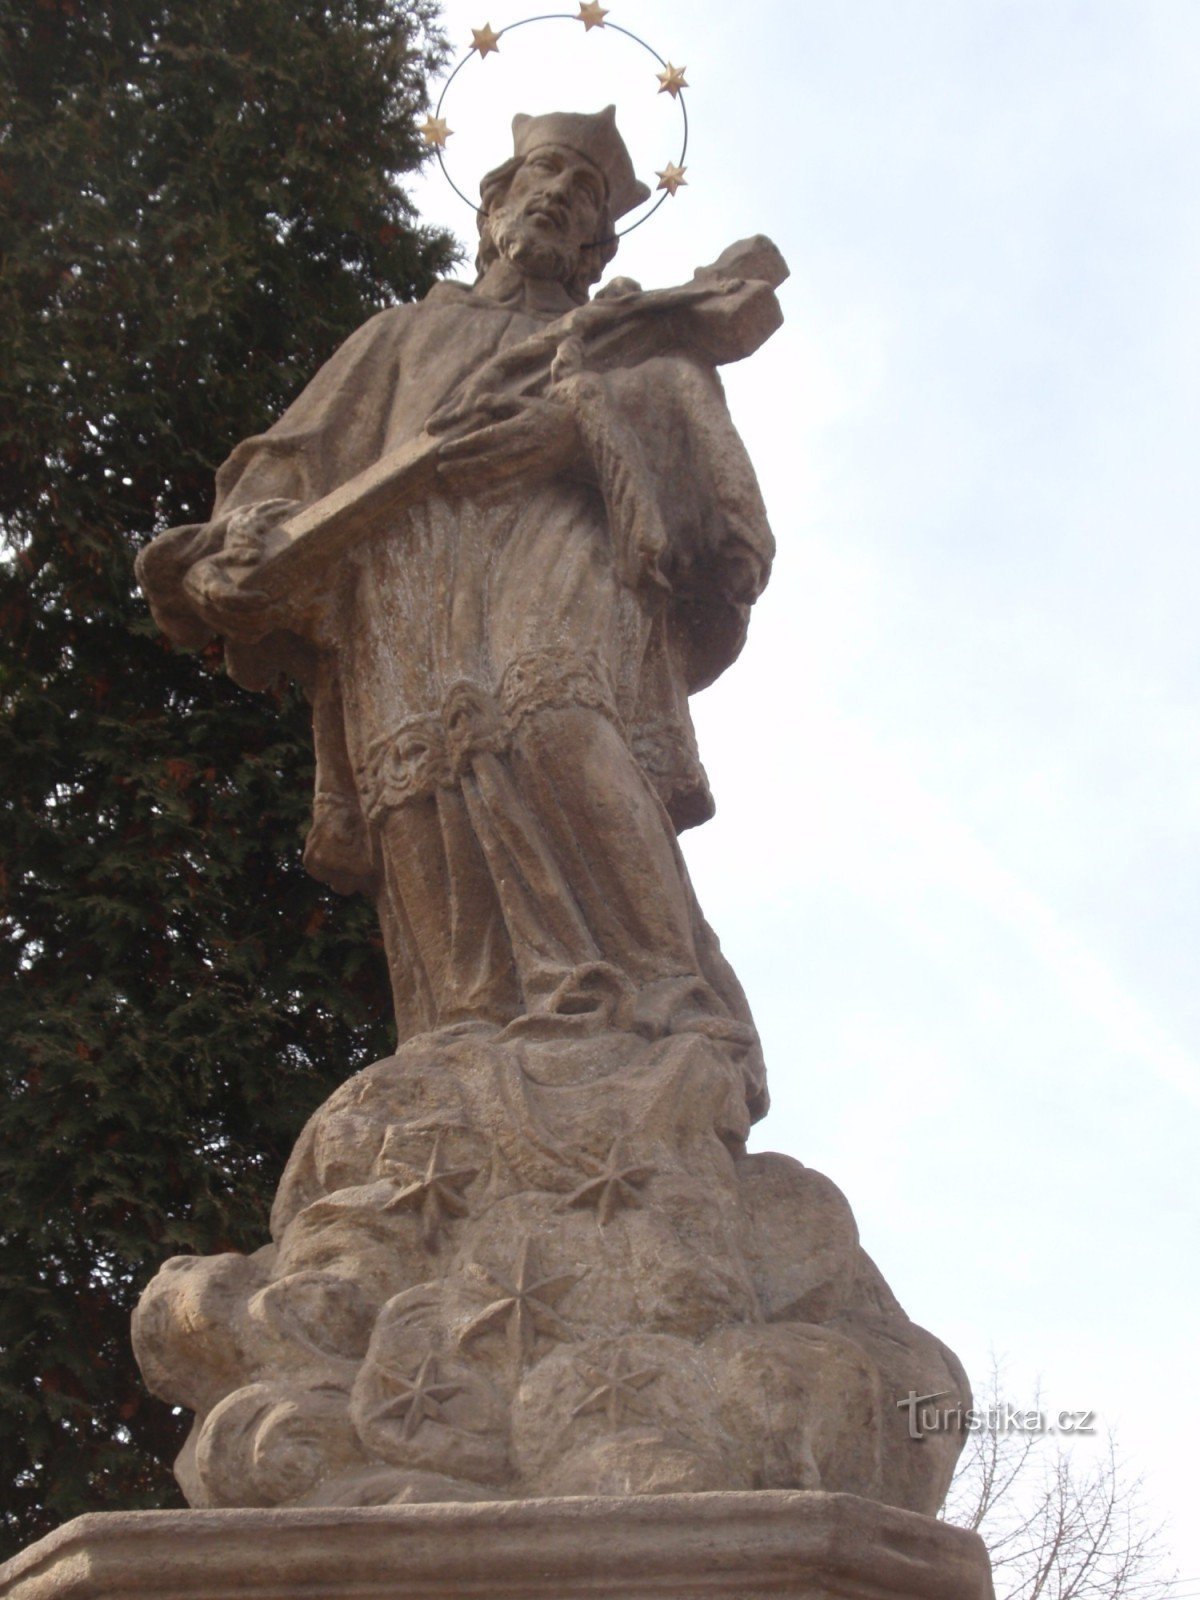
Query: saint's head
[{"x": 552, "y": 208}]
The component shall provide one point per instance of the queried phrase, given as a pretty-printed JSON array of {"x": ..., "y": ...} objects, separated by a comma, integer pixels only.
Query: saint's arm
[{"x": 200, "y": 579}]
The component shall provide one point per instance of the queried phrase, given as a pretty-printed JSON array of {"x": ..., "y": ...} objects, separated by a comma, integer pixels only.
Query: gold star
[
  {"x": 435, "y": 132},
  {"x": 436, "y": 1194},
  {"x": 672, "y": 178},
  {"x": 615, "y": 1389},
  {"x": 613, "y": 1184},
  {"x": 591, "y": 14},
  {"x": 672, "y": 80},
  {"x": 486, "y": 42},
  {"x": 525, "y": 1307},
  {"x": 419, "y": 1397}
]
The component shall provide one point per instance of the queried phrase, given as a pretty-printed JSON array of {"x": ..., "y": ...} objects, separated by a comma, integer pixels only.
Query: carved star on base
[
  {"x": 419, "y": 1396},
  {"x": 487, "y": 41},
  {"x": 435, "y": 132},
  {"x": 591, "y": 14},
  {"x": 615, "y": 1389},
  {"x": 671, "y": 178},
  {"x": 672, "y": 80},
  {"x": 524, "y": 1308},
  {"x": 436, "y": 1194},
  {"x": 612, "y": 1184}
]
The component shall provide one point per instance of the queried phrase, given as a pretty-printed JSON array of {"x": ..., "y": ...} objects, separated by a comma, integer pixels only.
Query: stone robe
[{"x": 500, "y": 682}]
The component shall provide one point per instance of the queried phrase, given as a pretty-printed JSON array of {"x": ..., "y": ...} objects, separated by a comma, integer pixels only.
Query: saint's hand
[
  {"x": 222, "y": 588},
  {"x": 515, "y": 440}
]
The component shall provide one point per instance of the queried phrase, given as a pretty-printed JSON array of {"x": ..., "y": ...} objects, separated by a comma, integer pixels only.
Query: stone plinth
[{"x": 743, "y": 1546}]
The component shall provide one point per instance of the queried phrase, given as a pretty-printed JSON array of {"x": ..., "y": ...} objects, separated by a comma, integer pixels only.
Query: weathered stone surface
[
  {"x": 499, "y": 539},
  {"x": 676, "y": 1547},
  {"x": 484, "y": 1281}
]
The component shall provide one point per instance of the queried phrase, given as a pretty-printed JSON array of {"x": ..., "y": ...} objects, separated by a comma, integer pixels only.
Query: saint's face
[{"x": 556, "y": 194}]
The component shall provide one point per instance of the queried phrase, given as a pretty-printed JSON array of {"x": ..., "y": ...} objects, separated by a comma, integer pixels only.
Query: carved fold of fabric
[
  {"x": 472, "y": 722},
  {"x": 434, "y": 749},
  {"x": 408, "y": 763},
  {"x": 430, "y": 750},
  {"x": 665, "y": 749},
  {"x": 543, "y": 680},
  {"x": 629, "y": 489},
  {"x": 336, "y": 850},
  {"x": 161, "y": 567}
]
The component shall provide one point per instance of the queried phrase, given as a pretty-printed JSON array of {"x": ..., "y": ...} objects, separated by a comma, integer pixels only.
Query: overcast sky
[{"x": 957, "y": 768}]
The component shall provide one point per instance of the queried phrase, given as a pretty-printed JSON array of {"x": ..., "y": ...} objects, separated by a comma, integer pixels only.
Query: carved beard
[{"x": 526, "y": 242}]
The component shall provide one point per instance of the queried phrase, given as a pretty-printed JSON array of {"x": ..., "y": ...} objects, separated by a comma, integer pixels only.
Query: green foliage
[{"x": 198, "y": 202}]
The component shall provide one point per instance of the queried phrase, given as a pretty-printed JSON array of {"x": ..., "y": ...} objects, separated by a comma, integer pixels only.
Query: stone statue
[
  {"x": 499, "y": 539},
  {"x": 499, "y": 671}
]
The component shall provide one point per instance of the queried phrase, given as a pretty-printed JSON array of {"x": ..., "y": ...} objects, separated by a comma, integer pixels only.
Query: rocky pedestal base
[
  {"x": 508, "y": 1266},
  {"x": 787, "y": 1545}
]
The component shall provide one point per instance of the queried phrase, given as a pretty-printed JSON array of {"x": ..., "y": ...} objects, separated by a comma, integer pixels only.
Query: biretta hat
[{"x": 593, "y": 136}]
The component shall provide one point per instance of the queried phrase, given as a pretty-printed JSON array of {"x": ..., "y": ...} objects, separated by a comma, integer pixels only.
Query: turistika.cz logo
[{"x": 926, "y": 1415}]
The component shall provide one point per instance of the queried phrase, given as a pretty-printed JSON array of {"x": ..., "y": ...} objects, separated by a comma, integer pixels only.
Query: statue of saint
[
  {"x": 499, "y": 539},
  {"x": 499, "y": 651}
]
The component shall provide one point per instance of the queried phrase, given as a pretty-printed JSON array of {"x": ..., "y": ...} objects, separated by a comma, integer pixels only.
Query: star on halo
[
  {"x": 419, "y": 1397},
  {"x": 672, "y": 80},
  {"x": 487, "y": 42},
  {"x": 671, "y": 178},
  {"x": 435, "y": 132},
  {"x": 525, "y": 1306},
  {"x": 591, "y": 14},
  {"x": 612, "y": 1183},
  {"x": 615, "y": 1389}
]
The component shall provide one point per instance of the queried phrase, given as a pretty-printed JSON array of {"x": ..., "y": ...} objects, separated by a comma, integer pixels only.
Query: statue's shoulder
[
  {"x": 388, "y": 323},
  {"x": 449, "y": 292},
  {"x": 370, "y": 342},
  {"x": 397, "y": 319},
  {"x": 396, "y": 322}
]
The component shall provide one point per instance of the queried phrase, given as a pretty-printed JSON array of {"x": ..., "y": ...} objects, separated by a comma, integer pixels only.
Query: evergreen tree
[{"x": 198, "y": 202}]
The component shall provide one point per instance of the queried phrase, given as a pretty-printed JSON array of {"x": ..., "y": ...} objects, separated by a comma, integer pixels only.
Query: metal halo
[{"x": 567, "y": 16}]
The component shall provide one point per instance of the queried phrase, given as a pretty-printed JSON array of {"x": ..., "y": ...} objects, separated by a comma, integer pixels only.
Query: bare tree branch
[{"x": 1056, "y": 1527}]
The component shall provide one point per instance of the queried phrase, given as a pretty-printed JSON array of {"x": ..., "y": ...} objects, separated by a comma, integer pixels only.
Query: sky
[{"x": 957, "y": 767}]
